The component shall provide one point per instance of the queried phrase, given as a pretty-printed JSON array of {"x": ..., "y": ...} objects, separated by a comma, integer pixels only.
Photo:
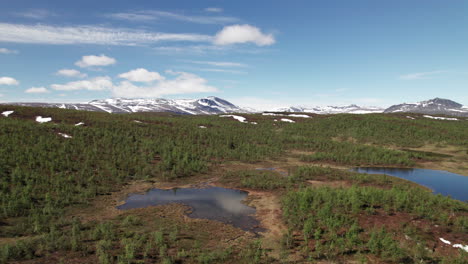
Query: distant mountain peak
[
  {"x": 432, "y": 106},
  {"x": 444, "y": 102}
]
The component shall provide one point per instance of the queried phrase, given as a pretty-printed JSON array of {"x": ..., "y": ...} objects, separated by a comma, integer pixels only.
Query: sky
[{"x": 260, "y": 54}]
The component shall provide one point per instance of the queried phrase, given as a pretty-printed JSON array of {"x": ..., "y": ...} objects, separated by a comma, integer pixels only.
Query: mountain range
[
  {"x": 215, "y": 105},
  {"x": 203, "y": 106},
  {"x": 350, "y": 109}
]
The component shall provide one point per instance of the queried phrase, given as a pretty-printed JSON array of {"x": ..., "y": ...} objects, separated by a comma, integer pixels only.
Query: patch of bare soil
[
  {"x": 427, "y": 233},
  {"x": 269, "y": 214},
  {"x": 334, "y": 184}
]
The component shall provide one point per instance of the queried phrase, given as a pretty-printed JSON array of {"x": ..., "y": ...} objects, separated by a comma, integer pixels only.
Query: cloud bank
[
  {"x": 7, "y": 51},
  {"x": 93, "y": 60},
  {"x": 243, "y": 34},
  {"x": 156, "y": 84},
  {"x": 37, "y": 90},
  {"x": 56, "y": 35},
  {"x": 219, "y": 63},
  {"x": 419, "y": 75},
  {"x": 151, "y": 15},
  {"x": 100, "y": 83},
  {"x": 71, "y": 73},
  {"x": 97, "y": 35},
  {"x": 141, "y": 75},
  {"x": 214, "y": 9},
  {"x": 36, "y": 14},
  {"x": 8, "y": 81}
]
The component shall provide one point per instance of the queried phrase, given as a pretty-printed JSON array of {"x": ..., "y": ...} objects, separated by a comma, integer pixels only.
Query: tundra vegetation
[{"x": 330, "y": 213}]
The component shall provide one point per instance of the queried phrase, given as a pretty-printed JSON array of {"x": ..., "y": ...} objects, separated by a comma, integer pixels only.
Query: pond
[
  {"x": 443, "y": 182},
  {"x": 214, "y": 203}
]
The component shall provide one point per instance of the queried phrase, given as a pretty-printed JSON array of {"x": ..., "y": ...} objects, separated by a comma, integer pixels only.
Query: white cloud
[
  {"x": 42, "y": 34},
  {"x": 137, "y": 17},
  {"x": 183, "y": 83},
  {"x": 214, "y": 9},
  {"x": 150, "y": 15},
  {"x": 37, "y": 90},
  {"x": 93, "y": 60},
  {"x": 220, "y": 63},
  {"x": 141, "y": 75},
  {"x": 95, "y": 84},
  {"x": 7, "y": 51},
  {"x": 224, "y": 70},
  {"x": 243, "y": 34},
  {"x": 191, "y": 49},
  {"x": 8, "y": 81},
  {"x": 71, "y": 73},
  {"x": 36, "y": 14},
  {"x": 419, "y": 75}
]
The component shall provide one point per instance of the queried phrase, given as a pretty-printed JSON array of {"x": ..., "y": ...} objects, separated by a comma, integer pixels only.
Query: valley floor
[{"x": 312, "y": 207}]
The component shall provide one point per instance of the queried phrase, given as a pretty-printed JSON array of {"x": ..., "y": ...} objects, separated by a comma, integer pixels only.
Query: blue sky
[{"x": 260, "y": 54}]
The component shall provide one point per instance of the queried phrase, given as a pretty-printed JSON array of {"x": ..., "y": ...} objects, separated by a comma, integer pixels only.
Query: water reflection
[
  {"x": 443, "y": 182},
  {"x": 213, "y": 203}
]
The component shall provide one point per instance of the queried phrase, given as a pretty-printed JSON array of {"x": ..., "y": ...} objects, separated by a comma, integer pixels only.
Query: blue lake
[
  {"x": 443, "y": 182},
  {"x": 214, "y": 203}
]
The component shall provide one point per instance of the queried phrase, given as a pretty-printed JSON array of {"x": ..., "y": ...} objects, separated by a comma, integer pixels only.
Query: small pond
[
  {"x": 443, "y": 182},
  {"x": 214, "y": 203}
]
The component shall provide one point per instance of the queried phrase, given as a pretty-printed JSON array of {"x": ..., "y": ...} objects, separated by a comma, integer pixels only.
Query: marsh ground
[{"x": 59, "y": 196}]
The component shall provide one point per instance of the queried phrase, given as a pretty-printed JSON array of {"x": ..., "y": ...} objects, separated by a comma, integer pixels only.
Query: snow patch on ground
[
  {"x": 288, "y": 120},
  {"x": 202, "y": 126},
  {"x": 7, "y": 113},
  {"x": 41, "y": 119},
  {"x": 465, "y": 248},
  {"x": 441, "y": 118},
  {"x": 445, "y": 241},
  {"x": 410, "y": 117},
  {"x": 137, "y": 121},
  {"x": 238, "y": 118},
  {"x": 79, "y": 124},
  {"x": 64, "y": 135},
  {"x": 461, "y": 246},
  {"x": 253, "y": 123},
  {"x": 297, "y": 115}
]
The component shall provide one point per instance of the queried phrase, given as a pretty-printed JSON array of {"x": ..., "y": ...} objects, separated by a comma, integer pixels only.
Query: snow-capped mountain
[
  {"x": 350, "y": 109},
  {"x": 214, "y": 105},
  {"x": 208, "y": 105},
  {"x": 433, "y": 106}
]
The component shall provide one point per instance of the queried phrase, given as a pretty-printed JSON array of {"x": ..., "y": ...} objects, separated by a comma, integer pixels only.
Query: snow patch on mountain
[
  {"x": 434, "y": 106},
  {"x": 349, "y": 109},
  {"x": 205, "y": 106}
]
